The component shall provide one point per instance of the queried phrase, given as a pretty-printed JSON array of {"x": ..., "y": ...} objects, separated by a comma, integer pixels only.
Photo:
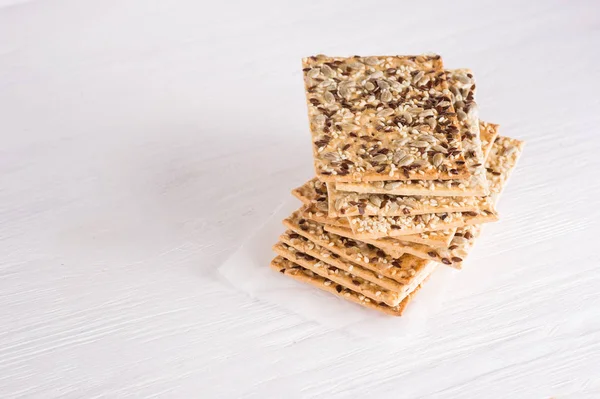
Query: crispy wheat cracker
[
  {"x": 344, "y": 204},
  {"x": 339, "y": 276},
  {"x": 488, "y": 133},
  {"x": 501, "y": 163},
  {"x": 395, "y": 226},
  {"x": 321, "y": 253},
  {"x": 299, "y": 273},
  {"x": 436, "y": 238},
  {"x": 382, "y": 118},
  {"x": 400, "y": 269}
]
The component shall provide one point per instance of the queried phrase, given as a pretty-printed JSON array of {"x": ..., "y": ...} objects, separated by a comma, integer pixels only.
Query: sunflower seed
[
  {"x": 328, "y": 97},
  {"x": 313, "y": 73},
  {"x": 376, "y": 75},
  {"x": 439, "y": 148},
  {"x": 418, "y": 76},
  {"x": 428, "y": 138},
  {"x": 385, "y": 112},
  {"x": 401, "y": 142},
  {"x": 343, "y": 92},
  {"x": 420, "y": 144},
  {"x": 350, "y": 127},
  {"x": 327, "y": 71},
  {"x": 461, "y": 115},
  {"x": 332, "y": 156},
  {"x": 369, "y": 86},
  {"x": 320, "y": 119},
  {"x": 463, "y": 78},
  {"x": 386, "y": 96},
  {"x": 375, "y": 200},
  {"x": 416, "y": 110},
  {"x": 383, "y": 85},
  {"x": 380, "y": 158},
  {"x": 407, "y": 160},
  {"x": 438, "y": 159},
  {"x": 398, "y": 155},
  {"x": 426, "y": 113},
  {"x": 372, "y": 61}
]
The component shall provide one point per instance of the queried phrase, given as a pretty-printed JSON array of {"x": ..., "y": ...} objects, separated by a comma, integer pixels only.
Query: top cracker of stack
[{"x": 406, "y": 173}]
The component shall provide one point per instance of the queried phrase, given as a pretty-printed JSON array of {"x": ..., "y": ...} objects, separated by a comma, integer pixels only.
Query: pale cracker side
[
  {"x": 308, "y": 247},
  {"x": 299, "y": 273},
  {"x": 338, "y": 276},
  {"x": 365, "y": 255}
]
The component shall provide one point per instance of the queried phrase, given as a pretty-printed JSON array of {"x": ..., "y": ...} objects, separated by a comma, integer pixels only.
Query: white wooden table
[{"x": 144, "y": 140}]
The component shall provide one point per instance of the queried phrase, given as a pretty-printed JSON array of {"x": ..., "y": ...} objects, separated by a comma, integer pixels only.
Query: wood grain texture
[{"x": 142, "y": 141}]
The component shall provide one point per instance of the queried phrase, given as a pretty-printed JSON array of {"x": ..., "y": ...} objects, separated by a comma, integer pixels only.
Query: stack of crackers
[{"x": 406, "y": 175}]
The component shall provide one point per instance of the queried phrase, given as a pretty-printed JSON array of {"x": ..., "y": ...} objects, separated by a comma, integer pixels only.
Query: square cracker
[
  {"x": 400, "y": 269},
  {"x": 488, "y": 133},
  {"x": 314, "y": 196},
  {"x": 321, "y": 253},
  {"x": 502, "y": 161},
  {"x": 299, "y": 273},
  {"x": 378, "y": 118},
  {"x": 395, "y": 226},
  {"x": 339, "y": 275}
]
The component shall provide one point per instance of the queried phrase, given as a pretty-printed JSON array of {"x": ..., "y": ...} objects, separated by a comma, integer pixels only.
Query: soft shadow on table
[{"x": 205, "y": 193}]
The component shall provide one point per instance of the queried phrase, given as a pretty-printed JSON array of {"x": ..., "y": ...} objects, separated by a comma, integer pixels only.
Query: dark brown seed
[
  {"x": 381, "y": 254},
  {"x": 396, "y": 263},
  {"x": 468, "y": 235},
  {"x": 405, "y": 211},
  {"x": 452, "y": 247},
  {"x": 282, "y": 271},
  {"x": 456, "y": 259},
  {"x": 373, "y": 260},
  {"x": 432, "y": 254},
  {"x": 470, "y": 213},
  {"x": 338, "y": 288},
  {"x": 355, "y": 282},
  {"x": 446, "y": 261},
  {"x": 301, "y": 221},
  {"x": 344, "y": 148},
  {"x": 293, "y": 235}
]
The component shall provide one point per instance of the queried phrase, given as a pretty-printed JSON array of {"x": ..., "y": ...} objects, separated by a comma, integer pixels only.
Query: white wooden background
[{"x": 142, "y": 141}]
